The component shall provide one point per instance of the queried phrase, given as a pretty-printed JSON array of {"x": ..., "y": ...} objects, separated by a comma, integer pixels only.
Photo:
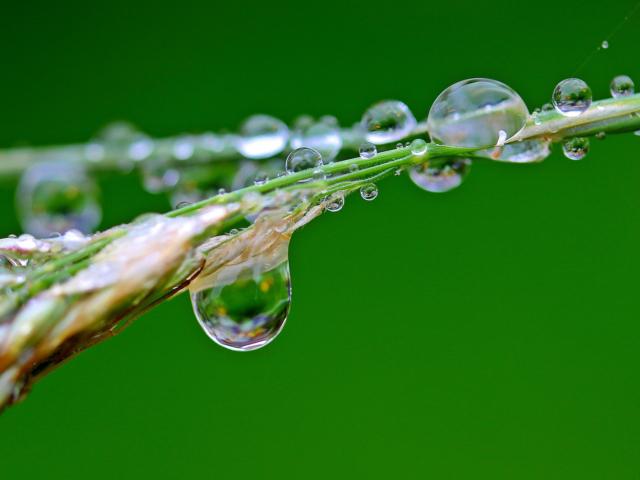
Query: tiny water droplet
[
  {"x": 572, "y": 97},
  {"x": 535, "y": 116},
  {"x": 622, "y": 86},
  {"x": 302, "y": 159},
  {"x": 604, "y": 44},
  {"x": 353, "y": 167},
  {"x": 183, "y": 148},
  {"x": 527, "y": 151},
  {"x": 368, "y": 150},
  {"x": 387, "y": 121},
  {"x": 329, "y": 120},
  {"x": 471, "y": 113},
  {"x": 335, "y": 202},
  {"x": 369, "y": 192},
  {"x": 601, "y": 135},
  {"x": 547, "y": 107},
  {"x": 221, "y": 191},
  {"x": 247, "y": 312},
  {"x": 418, "y": 147},
  {"x": 399, "y": 145},
  {"x": 319, "y": 175},
  {"x": 182, "y": 205},
  {"x": 323, "y": 137},
  {"x": 260, "y": 179},
  {"x": 576, "y": 148},
  {"x": 262, "y": 136},
  {"x": 442, "y": 178}
]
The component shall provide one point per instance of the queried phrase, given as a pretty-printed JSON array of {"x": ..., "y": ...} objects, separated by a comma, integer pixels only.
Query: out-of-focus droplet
[
  {"x": 441, "y": 178},
  {"x": 247, "y": 312},
  {"x": 604, "y": 44},
  {"x": 260, "y": 178},
  {"x": 622, "y": 86},
  {"x": 369, "y": 192},
  {"x": 387, "y": 121},
  {"x": 527, "y": 151},
  {"x": 184, "y": 148},
  {"x": 54, "y": 197},
  {"x": 472, "y": 113},
  {"x": 262, "y": 136},
  {"x": 576, "y": 148},
  {"x": 334, "y": 202},
  {"x": 141, "y": 149},
  {"x": 323, "y": 137},
  {"x": 572, "y": 97},
  {"x": 368, "y": 150},
  {"x": 601, "y": 135},
  {"x": 302, "y": 159}
]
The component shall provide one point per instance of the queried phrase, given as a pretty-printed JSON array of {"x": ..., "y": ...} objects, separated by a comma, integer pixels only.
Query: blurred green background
[{"x": 491, "y": 332}]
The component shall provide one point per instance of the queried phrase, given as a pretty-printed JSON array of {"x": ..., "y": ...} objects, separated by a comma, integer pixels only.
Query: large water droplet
[
  {"x": 56, "y": 197},
  {"x": 323, "y": 137},
  {"x": 248, "y": 312},
  {"x": 387, "y": 121},
  {"x": 622, "y": 86},
  {"x": 576, "y": 148},
  {"x": 441, "y": 178},
  {"x": 527, "y": 151},
  {"x": 262, "y": 136},
  {"x": 335, "y": 202},
  {"x": 474, "y": 112},
  {"x": 302, "y": 159},
  {"x": 571, "y": 97},
  {"x": 368, "y": 150}
]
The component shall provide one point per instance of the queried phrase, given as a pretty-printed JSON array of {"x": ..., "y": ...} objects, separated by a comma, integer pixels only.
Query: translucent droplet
[
  {"x": 262, "y": 136},
  {"x": 335, "y": 202},
  {"x": 472, "y": 113},
  {"x": 441, "y": 178},
  {"x": 141, "y": 149},
  {"x": 387, "y": 121},
  {"x": 369, "y": 192},
  {"x": 368, "y": 150},
  {"x": 184, "y": 148},
  {"x": 261, "y": 178},
  {"x": 547, "y": 107},
  {"x": 56, "y": 197},
  {"x": 353, "y": 167},
  {"x": 323, "y": 137},
  {"x": 158, "y": 176},
  {"x": 302, "y": 159},
  {"x": 571, "y": 97},
  {"x": 604, "y": 44},
  {"x": 576, "y": 148},
  {"x": 527, "y": 151},
  {"x": 399, "y": 145},
  {"x": 248, "y": 312},
  {"x": 622, "y": 86},
  {"x": 319, "y": 175},
  {"x": 418, "y": 147}
]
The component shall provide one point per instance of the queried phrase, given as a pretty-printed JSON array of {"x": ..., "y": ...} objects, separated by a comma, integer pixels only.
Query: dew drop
[
  {"x": 56, "y": 197},
  {"x": 571, "y": 97},
  {"x": 604, "y": 44},
  {"x": 473, "y": 112},
  {"x": 368, "y": 150},
  {"x": 442, "y": 178},
  {"x": 621, "y": 86},
  {"x": 323, "y": 137},
  {"x": 527, "y": 151},
  {"x": 353, "y": 167},
  {"x": 547, "y": 107},
  {"x": 247, "y": 312},
  {"x": 576, "y": 148},
  {"x": 369, "y": 192},
  {"x": 387, "y": 121},
  {"x": 260, "y": 178},
  {"x": 335, "y": 202},
  {"x": 319, "y": 175},
  {"x": 302, "y": 159},
  {"x": 262, "y": 136}
]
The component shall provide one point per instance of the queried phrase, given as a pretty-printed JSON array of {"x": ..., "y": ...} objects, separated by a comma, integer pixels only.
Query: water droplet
[
  {"x": 262, "y": 136},
  {"x": 399, "y": 145},
  {"x": 601, "y": 135},
  {"x": 141, "y": 149},
  {"x": 369, "y": 192},
  {"x": 353, "y": 167},
  {"x": 604, "y": 44},
  {"x": 571, "y": 97},
  {"x": 302, "y": 122},
  {"x": 183, "y": 148},
  {"x": 158, "y": 176},
  {"x": 535, "y": 116},
  {"x": 622, "y": 86},
  {"x": 302, "y": 159},
  {"x": 547, "y": 107},
  {"x": 329, "y": 120},
  {"x": 387, "y": 121},
  {"x": 368, "y": 150},
  {"x": 527, "y": 151},
  {"x": 260, "y": 178},
  {"x": 221, "y": 191},
  {"x": 472, "y": 113},
  {"x": 335, "y": 202},
  {"x": 418, "y": 147},
  {"x": 441, "y": 178},
  {"x": 249, "y": 311},
  {"x": 576, "y": 148},
  {"x": 323, "y": 137},
  {"x": 56, "y": 197}
]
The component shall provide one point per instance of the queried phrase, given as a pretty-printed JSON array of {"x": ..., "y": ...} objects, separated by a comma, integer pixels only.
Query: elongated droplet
[
  {"x": 571, "y": 97},
  {"x": 368, "y": 150},
  {"x": 322, "y": 137},
  {"x": 249, "y": 311},
  {"x": 441, "y": 178},
  {"x": 262, "y": 136},
  {"x": 56, "y": 197},
  {"x": 387, "y": 121},
  {"x": 576, "y": 148},
  {"x": 302, "y": 159},
  {"x": 622, "y": 86},
  {"x": 474, "y": 112}
]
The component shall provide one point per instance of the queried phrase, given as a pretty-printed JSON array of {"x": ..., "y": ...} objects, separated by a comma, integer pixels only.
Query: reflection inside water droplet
[{"x": 442, "y": 178}]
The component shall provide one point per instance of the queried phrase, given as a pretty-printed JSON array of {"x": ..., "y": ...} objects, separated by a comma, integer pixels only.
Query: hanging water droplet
[
  {"x": 472, "y": 113},
  {"x": 441, "y": 178},
  {"x": 262, "y": 136},
  {"x": 369, "y": 192},
  {"x": 576, "y": 148},
  {"x": 260, "y": 178},
  {"x": 387, "y": 121},
  {"x": 527, "y": 151},
  {"x": 571, "y": 97},
  {"x": 302, "y": 159},
  {"x": 158, "y": 176},
  {"x": 247, "y": 312},
  {"x": 418, "y": 147},
  {"x": 56, "y": 197},
  {"x": 323, "y": 137},
  {"x": 604, "y": 44},
  {"x": 368, "y": 150},
  {"x": 335, "y": 202},
  {"x": 622, "y": 86}
]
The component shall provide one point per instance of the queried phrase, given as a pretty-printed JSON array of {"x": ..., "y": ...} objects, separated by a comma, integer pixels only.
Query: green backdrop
[{"x": 491, "y": 332}]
